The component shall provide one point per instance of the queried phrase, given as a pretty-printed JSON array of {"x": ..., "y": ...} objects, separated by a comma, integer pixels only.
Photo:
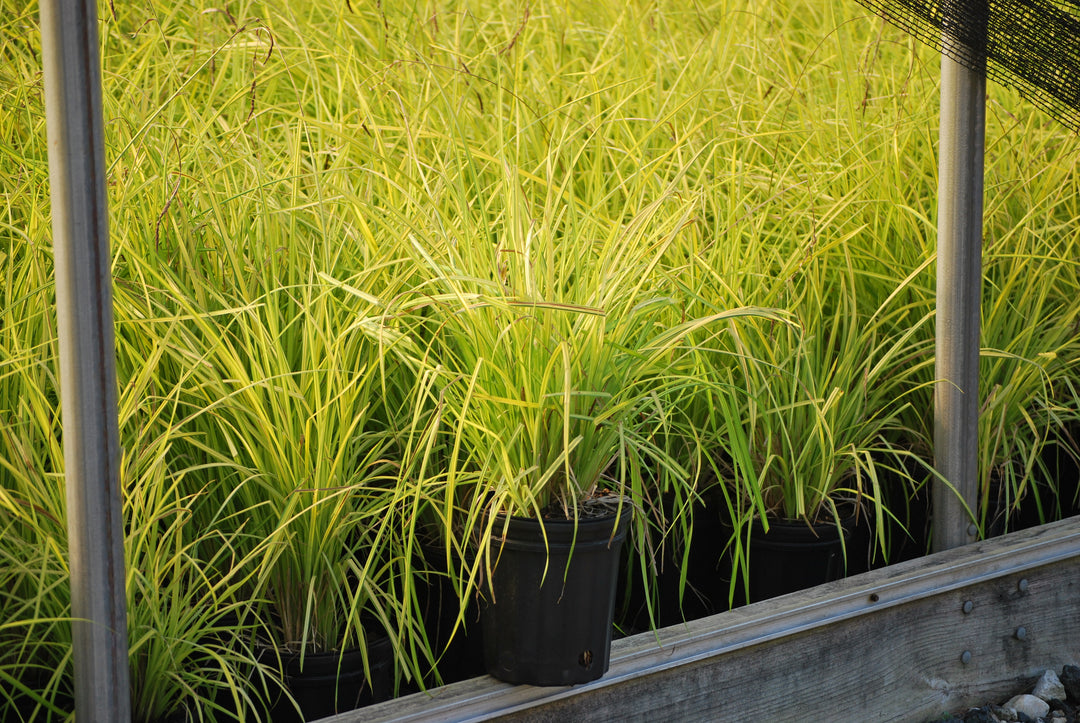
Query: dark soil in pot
[{"x": 548, "y": 620}]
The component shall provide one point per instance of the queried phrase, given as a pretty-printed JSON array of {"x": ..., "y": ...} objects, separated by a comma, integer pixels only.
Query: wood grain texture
[{"x": 887, "y": 645}]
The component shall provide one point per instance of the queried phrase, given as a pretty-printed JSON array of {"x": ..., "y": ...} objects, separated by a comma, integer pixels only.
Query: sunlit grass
[{"x": 341, "y": 229}]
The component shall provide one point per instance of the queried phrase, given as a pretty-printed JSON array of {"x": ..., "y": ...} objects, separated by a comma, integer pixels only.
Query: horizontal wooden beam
[{"x": 903, "y": 643}]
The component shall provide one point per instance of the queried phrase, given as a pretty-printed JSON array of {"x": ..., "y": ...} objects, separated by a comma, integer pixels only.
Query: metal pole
[
  {"x": 959, "y": 278},
  {"x": 87, "y": 359}
]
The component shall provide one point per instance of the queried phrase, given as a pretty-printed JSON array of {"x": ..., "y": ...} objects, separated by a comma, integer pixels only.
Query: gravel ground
[{"x": 1054, "y": 699}]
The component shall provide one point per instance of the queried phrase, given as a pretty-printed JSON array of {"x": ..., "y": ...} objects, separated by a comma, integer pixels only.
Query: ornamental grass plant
[
  {"x": 1028, "y": 388},
  {"x": 186, "y": 614},
  {"x": 545, "y": 290},
  {"x": 556, "y": 373},
  {"x": 818, "y": 435},
  {"x": 300, "y": 407}
]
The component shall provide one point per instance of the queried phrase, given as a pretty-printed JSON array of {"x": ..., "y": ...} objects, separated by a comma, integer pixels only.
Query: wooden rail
[{"x": 903, "y": 643}]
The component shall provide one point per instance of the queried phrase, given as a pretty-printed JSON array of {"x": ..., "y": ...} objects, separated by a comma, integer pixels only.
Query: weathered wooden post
[{"x": 69, "y": 41}]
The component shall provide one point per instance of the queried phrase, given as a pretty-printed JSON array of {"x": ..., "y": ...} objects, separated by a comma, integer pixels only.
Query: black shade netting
[{"x": 1030, "y": 45}]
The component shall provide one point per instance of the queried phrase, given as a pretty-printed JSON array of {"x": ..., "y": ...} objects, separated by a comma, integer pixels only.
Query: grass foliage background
[{"x": 304, "y": 196}]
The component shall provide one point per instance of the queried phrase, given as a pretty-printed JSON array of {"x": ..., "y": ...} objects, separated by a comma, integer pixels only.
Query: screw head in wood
[
  {"x": 968, "y": 606},
  {"x": 1022, "y": 586},
  {"x": 1021, "y": 633},
  {"x": 966, "y": 657}
]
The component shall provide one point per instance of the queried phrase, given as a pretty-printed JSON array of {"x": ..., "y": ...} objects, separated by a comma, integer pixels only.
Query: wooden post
[{"x": 72, "y": 75}]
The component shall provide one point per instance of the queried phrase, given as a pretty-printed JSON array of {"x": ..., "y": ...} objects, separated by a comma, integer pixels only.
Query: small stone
[
  {"x": 1005, "y": 715},
  {"x": 1028, "y": 705},
  {"x": 1059, "y": 706},
  {"x": 1070, "y": 679},
  {"x": 1049, "y": 687},
  {"x": 979, "y": 715}
]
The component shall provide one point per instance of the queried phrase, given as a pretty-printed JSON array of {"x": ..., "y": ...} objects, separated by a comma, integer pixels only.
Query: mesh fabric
[{"x": 1032, "y": 46}]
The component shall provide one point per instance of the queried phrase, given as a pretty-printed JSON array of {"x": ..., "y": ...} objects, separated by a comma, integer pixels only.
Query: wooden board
[{"x": 888, "y": 645}]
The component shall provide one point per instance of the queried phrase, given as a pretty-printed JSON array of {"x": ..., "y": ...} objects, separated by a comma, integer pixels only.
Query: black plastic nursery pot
[
  {"x": 706, "y": 581},
  {"x": 458, "y": 647},
  {"x": 334, "y": 682},
  {"x": 794, "y": 555},
  {"x": 548, "y": 620}
]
